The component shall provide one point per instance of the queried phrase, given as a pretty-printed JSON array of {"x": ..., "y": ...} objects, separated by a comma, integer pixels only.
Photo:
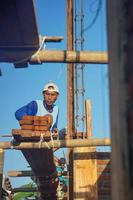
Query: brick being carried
[
  {"x": 39, "y": 123},
  {"x": 33, "y": 127},
  {"x": 41, "y": 128},
  {"x": 28, "y": 117},
  {"x": 25, "y": 122},
  {"x": 48, "y": 119},
  {"x": 27, "y": 127}
]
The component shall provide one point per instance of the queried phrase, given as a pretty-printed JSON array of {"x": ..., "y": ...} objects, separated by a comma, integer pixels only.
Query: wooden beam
[
  {"x": 88, "y": 119},
  {"x": 85, "y": 173},
  {"x": 53, "y": 39},
  {"x": 57, "y": 143},
  {"x": 84, "y": 161},
  {"x": 69, "y": 57},
  {"x": 29, "y": 135}
]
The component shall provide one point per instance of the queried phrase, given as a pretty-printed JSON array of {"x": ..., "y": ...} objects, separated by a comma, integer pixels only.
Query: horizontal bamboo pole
[
  {"x": 27, "y": 173},
  {"x": 23, "y": 173},
  {"x": 57, "y": 144},
  {"x": 24, "y": 189},
  {"x": 69, "y": 57},
  {"x": 6, "y": 136}
]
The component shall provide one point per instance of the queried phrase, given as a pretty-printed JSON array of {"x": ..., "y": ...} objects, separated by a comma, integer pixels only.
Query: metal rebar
[{"x": 82, "y": 66}]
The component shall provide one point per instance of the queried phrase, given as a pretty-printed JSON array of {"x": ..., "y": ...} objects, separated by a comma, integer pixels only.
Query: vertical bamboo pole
[
  {"x": 1, "y": 170},
  {"x": 70, "y": 93},
  {"x": 70, "y": 71}
]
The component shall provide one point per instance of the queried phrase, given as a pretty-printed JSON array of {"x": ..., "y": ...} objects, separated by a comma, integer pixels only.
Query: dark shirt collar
[{"x": 49, "y": 108}]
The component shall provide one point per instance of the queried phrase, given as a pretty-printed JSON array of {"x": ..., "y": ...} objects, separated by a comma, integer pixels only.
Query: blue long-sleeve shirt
[{"x": 29, "y": 109}]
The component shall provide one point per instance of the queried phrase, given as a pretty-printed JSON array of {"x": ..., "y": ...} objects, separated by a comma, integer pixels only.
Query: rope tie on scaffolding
[
  {"x": 42, "y": 45},
  {"x": 42, "y": 139}
]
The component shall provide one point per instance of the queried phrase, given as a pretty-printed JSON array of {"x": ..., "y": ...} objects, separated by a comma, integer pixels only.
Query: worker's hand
[
  {"x": 62, "y": 134},
  {"x": 49, "y": 118},
  {"x": 55, "y": 130}
]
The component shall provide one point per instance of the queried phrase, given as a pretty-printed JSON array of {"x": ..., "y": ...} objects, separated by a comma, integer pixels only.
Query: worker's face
[
  {"x": 50, "y": 97},
  {"x": 62, "y": 166}
]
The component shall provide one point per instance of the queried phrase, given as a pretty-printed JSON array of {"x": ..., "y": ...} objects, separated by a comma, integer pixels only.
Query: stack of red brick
[
  {"x": 36, "y": 123},
  {"x": 33, "y": 127}
]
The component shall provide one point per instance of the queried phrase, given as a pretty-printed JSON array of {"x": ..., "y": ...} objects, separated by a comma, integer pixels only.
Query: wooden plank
[
  {"x": 42, "y": 164},
  {"x": 53, "y": 38},
  {"x": 88, "y": 119},
  {"x": 29, "y": 135},
  {"x": 85, "y": 174},
  {"x": 41, "y": 161}
]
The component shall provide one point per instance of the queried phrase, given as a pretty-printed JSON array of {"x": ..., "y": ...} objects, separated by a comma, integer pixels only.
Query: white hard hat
[{"x": 48, "y": 86}]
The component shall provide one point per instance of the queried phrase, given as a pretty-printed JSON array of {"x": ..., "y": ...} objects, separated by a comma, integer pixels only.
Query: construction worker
[
  {"x": 7, "y": 192},
  {"x": 43, "y": 107},
  {"x": 62, "y": 176}
]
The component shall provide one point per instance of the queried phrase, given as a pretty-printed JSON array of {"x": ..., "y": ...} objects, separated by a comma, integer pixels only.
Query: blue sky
[{"x": 20, "y": 86}]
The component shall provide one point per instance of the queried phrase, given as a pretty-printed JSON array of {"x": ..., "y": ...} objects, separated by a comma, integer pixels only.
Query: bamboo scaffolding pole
[
  {"x": 24, "y": 189},
  {"x": 26, "y": 173},
  {"x": 57, "y": 144},
  {"x": 23, "y": 173},
  {"x": 70, "y": 87},
  {"x": 69, "y": 57},
  {"x": 70, "y": 71}
]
